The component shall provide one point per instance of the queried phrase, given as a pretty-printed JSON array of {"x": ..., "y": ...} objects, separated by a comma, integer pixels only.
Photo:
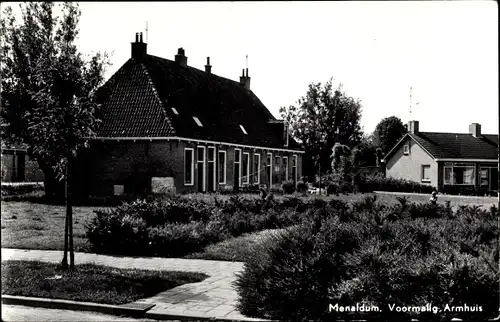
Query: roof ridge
[
  {"x": 199, "y": 70},
  {"x": 424, "y": 132},
  {"x": 164, "y": 108}
]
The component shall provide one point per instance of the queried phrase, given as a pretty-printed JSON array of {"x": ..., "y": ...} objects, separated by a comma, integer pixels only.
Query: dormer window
[
  {"x": 175, "y": 111},
  {"x": 243, "y": 129},
  {"x": 197, "y": 120},
  {"x": 406, "y": 149}
]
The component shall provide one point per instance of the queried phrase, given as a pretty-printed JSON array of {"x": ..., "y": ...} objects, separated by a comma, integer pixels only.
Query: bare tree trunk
[
  {"x": 64, "y": 263},
  {"x": 69, "y": 214}
]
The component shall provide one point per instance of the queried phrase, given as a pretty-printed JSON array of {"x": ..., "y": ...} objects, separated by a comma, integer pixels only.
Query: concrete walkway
[{"x": 215, "y": 297}]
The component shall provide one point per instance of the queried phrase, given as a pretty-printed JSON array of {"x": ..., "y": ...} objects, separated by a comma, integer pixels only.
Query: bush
[
  {"x": 21, "y": 188},
  {"x": 288, "y": 187},
  {"x": 301, "y": 187},
  {"x": 380, "y": 183},
  {"x": 295, "y": 270},
  {"x": 405, "y": 255}
]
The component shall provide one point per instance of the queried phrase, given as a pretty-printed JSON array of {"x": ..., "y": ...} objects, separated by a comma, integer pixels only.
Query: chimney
[
  {"x": 413, "y": 127},
  {"x": 245, "y": 79},
  {"x": 180, "y": 58},
  {"x": 139, "y": 48},
  {"x": 208, "y": 67},
  {"x": 475, "y": 130}
]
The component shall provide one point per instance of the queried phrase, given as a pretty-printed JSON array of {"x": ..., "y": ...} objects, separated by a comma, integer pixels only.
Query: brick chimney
[
  {"x": 208, "y": 67},
  {"x": 244, "y": 79},
  {"x": 475, "y": 130},
  {"x": 180, "y": 58},
  {"x": 139, "y": 48},
  {"x": 413, "y": 127}
]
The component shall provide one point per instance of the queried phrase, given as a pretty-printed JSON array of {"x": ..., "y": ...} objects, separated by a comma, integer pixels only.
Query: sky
[{"x": 447, "y": 52}]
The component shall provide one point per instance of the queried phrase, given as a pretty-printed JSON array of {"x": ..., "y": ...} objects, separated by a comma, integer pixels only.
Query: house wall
[
  {"x": 409, "y": 166},
  {"x": 477, "y": 174},
  {"x": 132, "y": 164}
]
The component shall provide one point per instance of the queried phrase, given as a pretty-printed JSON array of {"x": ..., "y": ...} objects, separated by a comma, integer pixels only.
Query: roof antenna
[
  {"x": 146, "y": 32},
  {"x": 410, "y": 102},
  {"x": 247, "y": 64}
]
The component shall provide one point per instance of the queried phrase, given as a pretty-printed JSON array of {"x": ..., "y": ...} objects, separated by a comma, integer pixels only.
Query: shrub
[
  {"x": 21, "y": 188},
  {"x": 294, "y": 270},
  {"x": 288, "y": 187},
  {"x": 301, "y": 187}
]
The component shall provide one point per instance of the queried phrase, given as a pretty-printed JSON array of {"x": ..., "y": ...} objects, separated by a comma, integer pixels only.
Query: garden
[{"x": 324, "y": 252}]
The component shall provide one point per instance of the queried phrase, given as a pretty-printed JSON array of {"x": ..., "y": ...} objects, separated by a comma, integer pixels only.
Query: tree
[
  {"x": 321, "y": 118},
  {"x": 49, "y": 94},
  {"x": 388, "y": 132}
]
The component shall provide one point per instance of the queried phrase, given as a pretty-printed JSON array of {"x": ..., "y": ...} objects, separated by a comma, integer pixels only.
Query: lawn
[
  {"x": 89, "y": 283},
  {"x": 234, "y": 249},
  {"x": 39, "y": 226}
]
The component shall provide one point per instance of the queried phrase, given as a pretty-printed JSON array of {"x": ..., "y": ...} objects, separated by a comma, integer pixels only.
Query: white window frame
[
  {"x": 406, "y": 149},
  {"x": 286, "y": 167},
  {"x": 214, "y": 161},
  {"x": 192, "y": 167},
  {"x": 247, "y": 180},
  {"x": 204, "y": 186},
  {"x": 198, "y": 122},
  {"x": 270, "y": 165},
  {"x": 296, "y": 160},
  {"x": 224, "y": 169},
  {"x": 451, "y": 175},
  {"x": 258, "y": 166},
  {"x": 243, "y": 129},
  {"x": 239, "y": 164},
  {"x": 423, "y": 172}
]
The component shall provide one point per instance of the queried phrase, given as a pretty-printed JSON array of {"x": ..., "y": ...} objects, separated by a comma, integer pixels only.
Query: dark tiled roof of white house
[
  {"x": 151, "y": 97},
  {"x": 472, "y": 145}
]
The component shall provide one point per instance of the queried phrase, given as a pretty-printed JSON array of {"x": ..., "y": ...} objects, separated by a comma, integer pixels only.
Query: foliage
[
  {"x": 375, "y": 254},
  {"x": 288, "y": 187},
  {"x": 48, "y": 88},
  {"x": 20, "y": 189},
  {"x": 324, "y": 116},
  {"x": 388, "y": 132},
  {"x": 301, "y": 187}
]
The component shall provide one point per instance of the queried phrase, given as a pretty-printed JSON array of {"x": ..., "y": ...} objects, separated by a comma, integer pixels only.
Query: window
[
  {"x": 285, "y": 161},
  {"x": 237, "y": 167},
  {"x": 188, "y": 167},
  {"x": 246, "y": 168},
  {"x": 256, "y": 169},
  {"x": 197, "y": 120},
  {"x": 175, "y": 111},
  {"x": 426, "y": 173},
  {"x": 222, "y": 167},
  {"x": 277, "y": 162},
  {"x": 484, "y": 176},
  {"x": 406, "y": 149},
  {"x": 269, "y": 168},
  {"x": 459, "y": 175},
  {"x": 211, "y": 169},
  {"x": 294, "y": 169},
  {"x": 243, "y": 129}
]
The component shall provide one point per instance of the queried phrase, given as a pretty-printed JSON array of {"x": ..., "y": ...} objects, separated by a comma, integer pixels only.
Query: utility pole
[{"x": 147, "y": 32}]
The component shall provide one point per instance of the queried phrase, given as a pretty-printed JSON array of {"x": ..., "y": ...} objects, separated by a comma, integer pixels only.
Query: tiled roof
[
  {"x": 139, "y": 98},
  {"x": 457, "y": 145}
]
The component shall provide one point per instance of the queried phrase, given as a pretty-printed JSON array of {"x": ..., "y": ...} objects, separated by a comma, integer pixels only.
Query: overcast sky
[{"x": 446, "y": 51}]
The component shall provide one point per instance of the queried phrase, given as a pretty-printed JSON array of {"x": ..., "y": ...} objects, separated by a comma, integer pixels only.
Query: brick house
[
  {"x": 169, "y": 126},
  {"x": 17, "y": 165},
  {"x": 452, "y": 162}
]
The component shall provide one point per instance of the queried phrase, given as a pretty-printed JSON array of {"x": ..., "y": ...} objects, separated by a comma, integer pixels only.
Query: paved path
[
  {"x": 12, "y": 313},
  {"x": 214, "y": 297}
]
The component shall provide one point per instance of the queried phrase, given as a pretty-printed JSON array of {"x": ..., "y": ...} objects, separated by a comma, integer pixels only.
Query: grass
[
  {"x": 234, "y": 249},
  {"x": 39, "y": 226},
  {"x": 89, "y": 283}
]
